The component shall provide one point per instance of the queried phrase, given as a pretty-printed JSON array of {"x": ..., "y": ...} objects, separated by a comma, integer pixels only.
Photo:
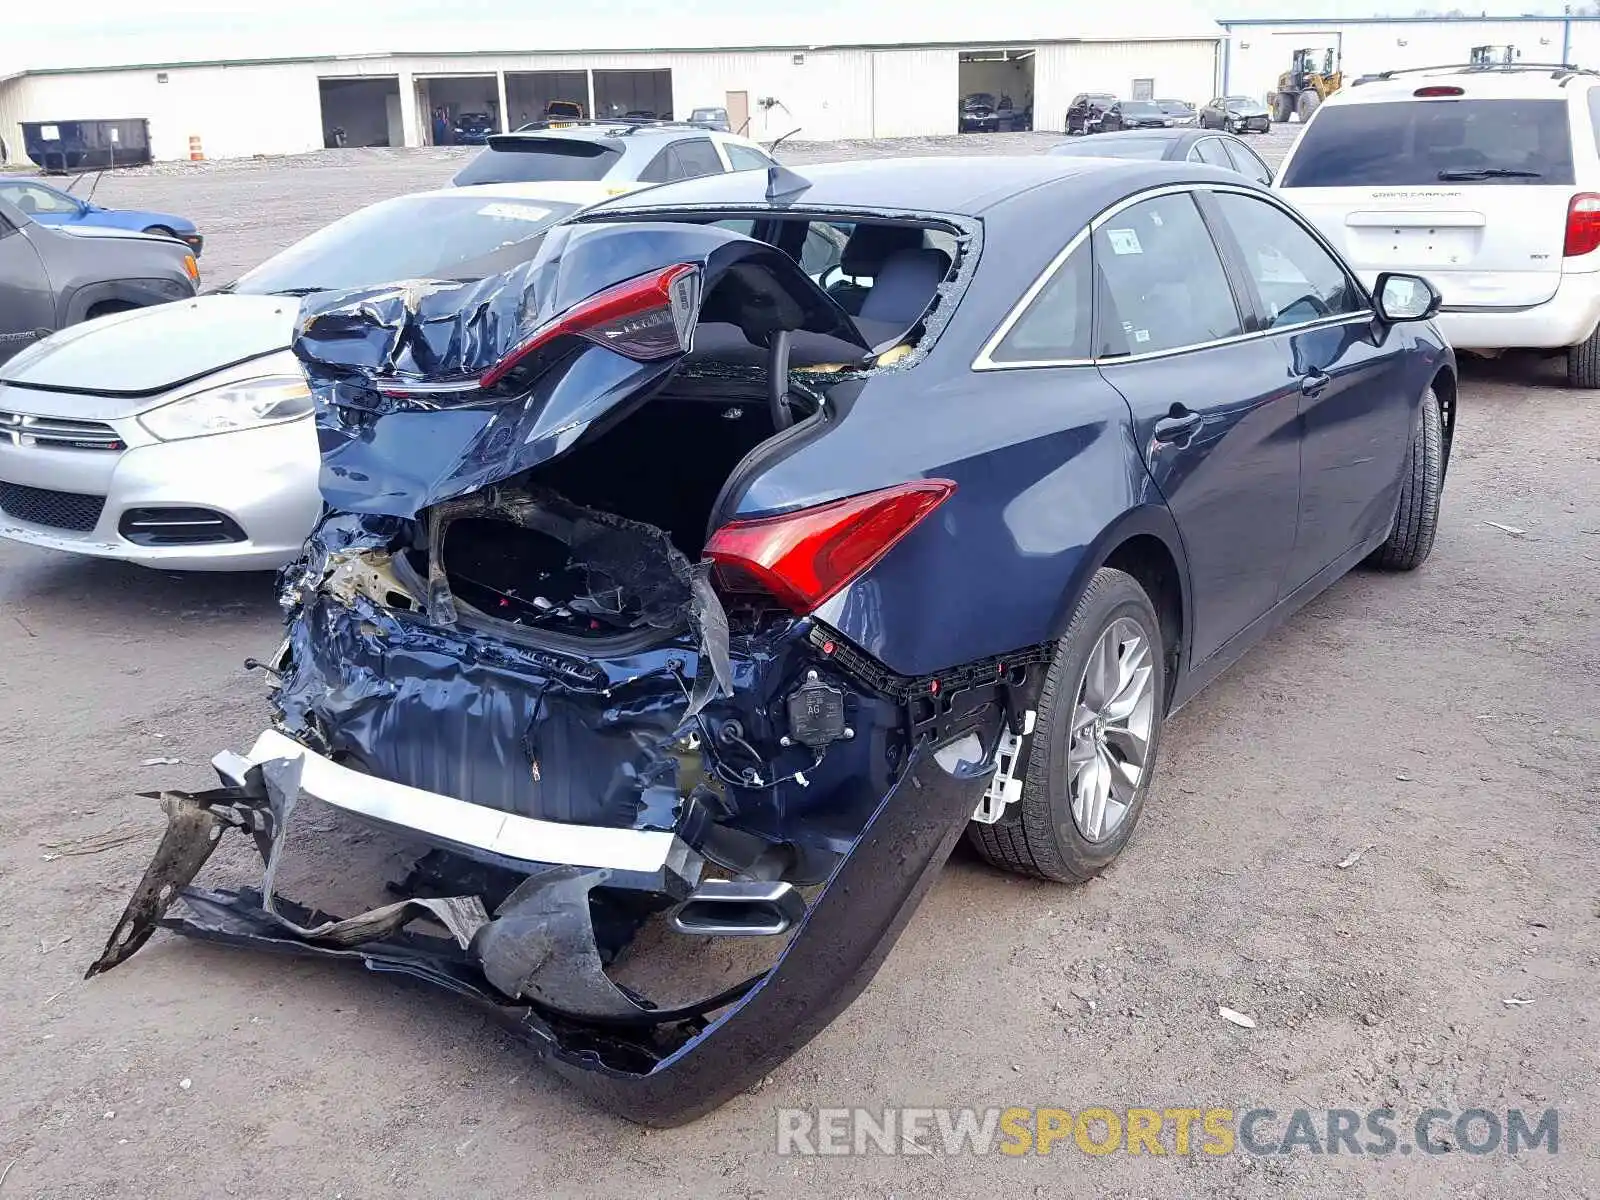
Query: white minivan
[{"x": 1485, "y": 179}]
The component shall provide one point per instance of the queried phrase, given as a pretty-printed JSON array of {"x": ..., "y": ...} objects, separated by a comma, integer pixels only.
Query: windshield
[
  {"x": 538, "y": 160},
  {"x": 412, "y": 237},
  {"x": 1424, "y": 143},
  {"x": 709, "y": 114},
  {"x": 1112, "y": 146},
  {"x": 1140, "y": 108},
  {"x": 1245, "y": 100}
]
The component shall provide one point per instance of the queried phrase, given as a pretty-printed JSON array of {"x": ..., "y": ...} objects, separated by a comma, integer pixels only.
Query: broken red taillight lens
[
  {"x": 804, "y": 558},
  {"x": 646, "y": 318}
]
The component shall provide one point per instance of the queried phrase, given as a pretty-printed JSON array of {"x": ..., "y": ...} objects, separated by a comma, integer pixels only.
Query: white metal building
[
  {"x": 1035, "y": 52},
  {"x": 1256, "y": 52}
]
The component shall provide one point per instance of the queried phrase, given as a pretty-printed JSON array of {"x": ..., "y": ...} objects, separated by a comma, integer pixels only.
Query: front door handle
[
  {"x": 1312, "y": 383},
  {"x": 1177, "y": 425}
]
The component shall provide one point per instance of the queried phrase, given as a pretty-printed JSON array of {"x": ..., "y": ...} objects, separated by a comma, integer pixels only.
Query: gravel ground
[{"x": 1444, "y": 723}]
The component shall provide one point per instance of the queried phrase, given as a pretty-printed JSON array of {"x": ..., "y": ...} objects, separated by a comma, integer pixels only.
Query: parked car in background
[
  {"x": 474, "y": 128},
  {"x": 1087, "y": 110},
  {"x": 1173, "y": 145},
  {"x": 1236, "y": 114},
  {"x": 1181, "y": 111},
  {"x": 52, "y": 206},
  {"x": 180, "y": 437},
  {"x": 979, "y": 113},
  {"x": 711, "y": 118},
  {"x": 1484, "y": 177},
  {"x": 619, "y": 152},
  {"x": 563, "y": 110},
  {"x": 52, "y": 277},
  {"x": 1134, "y": 114}
]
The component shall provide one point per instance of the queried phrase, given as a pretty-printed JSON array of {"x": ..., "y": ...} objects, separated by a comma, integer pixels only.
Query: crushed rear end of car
[{"x": 531, "y": 635}]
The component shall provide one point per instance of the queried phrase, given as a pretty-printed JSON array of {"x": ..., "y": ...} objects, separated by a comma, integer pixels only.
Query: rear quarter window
[{"x": 1421, "y": 143}]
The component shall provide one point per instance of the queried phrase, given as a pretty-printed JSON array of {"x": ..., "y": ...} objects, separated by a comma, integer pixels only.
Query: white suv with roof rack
[
  {"x": 619, "y": 151},
  {"x": 1484, "y": 178}
]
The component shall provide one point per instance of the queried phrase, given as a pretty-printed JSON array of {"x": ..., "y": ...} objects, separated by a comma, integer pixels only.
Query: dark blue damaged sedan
[{"x": 703, "y": 579}]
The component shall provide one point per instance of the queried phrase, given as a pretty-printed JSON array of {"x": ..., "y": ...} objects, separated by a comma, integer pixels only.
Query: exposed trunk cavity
[{"x": 601, "y": 542}]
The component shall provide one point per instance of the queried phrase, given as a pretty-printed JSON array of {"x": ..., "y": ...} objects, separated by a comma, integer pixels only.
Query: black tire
[
  {"x": 1308, "y": 105},
  {"x": 1282, "y": 109},
  {"x": 1417, "y": 520},
  {"x": 1583, "y": 362},
  {"x": 1038, "y": 835}
]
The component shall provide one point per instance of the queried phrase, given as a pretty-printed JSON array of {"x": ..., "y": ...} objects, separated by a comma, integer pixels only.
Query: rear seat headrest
[{"x": 870, "y": 246}]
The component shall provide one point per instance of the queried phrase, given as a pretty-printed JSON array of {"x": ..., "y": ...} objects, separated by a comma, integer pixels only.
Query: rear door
[
  {"x": 1471, "y": 192},
  {"x": 1216, "y": 415}
]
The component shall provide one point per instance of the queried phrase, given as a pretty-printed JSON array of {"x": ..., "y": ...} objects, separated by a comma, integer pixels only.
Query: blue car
[
  {"x": 52, "y": 206},
  {"x": 710, "y": 575}
]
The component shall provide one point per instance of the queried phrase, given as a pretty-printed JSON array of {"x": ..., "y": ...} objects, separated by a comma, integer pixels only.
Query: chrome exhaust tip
[{"x": 740, "y": 908}]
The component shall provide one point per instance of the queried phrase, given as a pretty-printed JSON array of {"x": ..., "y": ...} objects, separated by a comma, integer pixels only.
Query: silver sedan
[{"x": 180, "y": 436}]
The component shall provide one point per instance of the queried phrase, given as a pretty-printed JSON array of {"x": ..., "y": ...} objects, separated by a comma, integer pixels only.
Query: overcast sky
[{"x": 37, "y": 33}]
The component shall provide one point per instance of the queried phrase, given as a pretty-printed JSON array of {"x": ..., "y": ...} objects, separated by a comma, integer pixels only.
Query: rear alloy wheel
[
  {"x": 1583, "y": 362},
  {"x": 1417, "y": 520},
  {"x": 1092, "y": 754}
]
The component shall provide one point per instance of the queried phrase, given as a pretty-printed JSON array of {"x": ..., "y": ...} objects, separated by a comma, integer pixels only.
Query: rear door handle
[
  {"x": 1177, "y": 425},
  {"x": 1312, "y": 384}
]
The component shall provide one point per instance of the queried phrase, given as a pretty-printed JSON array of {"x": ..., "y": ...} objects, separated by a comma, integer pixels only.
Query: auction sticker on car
[
  {"x": 1124, "y": 241},
  {"x": 509, "y": 211}
]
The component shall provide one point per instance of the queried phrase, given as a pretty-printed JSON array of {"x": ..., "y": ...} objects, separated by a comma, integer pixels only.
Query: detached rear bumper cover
[{"x": 659, "y": 1068}]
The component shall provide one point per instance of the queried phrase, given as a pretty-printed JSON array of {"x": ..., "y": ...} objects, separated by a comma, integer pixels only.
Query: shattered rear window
[{"x": 823, "y": 253}]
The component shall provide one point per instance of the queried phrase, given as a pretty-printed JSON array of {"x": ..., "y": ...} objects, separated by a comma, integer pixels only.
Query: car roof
[
  {"x": 617, "y": 134},
  {"x": 555, "y": 191},
  {"x": 1086, "y": 148},
  {"x": 955, "y": 185},
  {"x": 1483, "y": 83}
]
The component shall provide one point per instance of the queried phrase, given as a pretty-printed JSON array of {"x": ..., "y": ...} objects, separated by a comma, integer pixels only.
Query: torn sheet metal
[
  {"x": 552, "y": 736},
  {"x": 401, "y": 421},
  {"x": 666, "y": 1067},
  {"x": 195, "y": 825}
]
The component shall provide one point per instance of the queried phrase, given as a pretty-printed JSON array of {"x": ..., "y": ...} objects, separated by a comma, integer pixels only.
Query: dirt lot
[{"x": 1445, "y": 723}]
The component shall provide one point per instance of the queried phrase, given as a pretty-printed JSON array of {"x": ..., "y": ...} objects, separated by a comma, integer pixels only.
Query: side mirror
[{"x": 1406, "y": 298}]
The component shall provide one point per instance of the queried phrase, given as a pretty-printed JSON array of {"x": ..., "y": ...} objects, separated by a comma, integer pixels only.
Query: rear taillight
[
  {"x": 1438, "y": 89},
  {"x": 803, "y": 558},
  {"x": 1583, "y": 224},
  {"x": 646, "y": 318}
]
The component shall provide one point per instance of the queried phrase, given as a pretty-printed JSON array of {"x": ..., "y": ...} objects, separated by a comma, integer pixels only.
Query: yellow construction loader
[
  {"x": 1493, "y": 56},
  {"x": 1314, "y": 77}
]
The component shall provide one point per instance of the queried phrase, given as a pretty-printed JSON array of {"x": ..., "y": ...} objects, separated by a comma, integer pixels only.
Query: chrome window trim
[{"x": 985, "y": 360}]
